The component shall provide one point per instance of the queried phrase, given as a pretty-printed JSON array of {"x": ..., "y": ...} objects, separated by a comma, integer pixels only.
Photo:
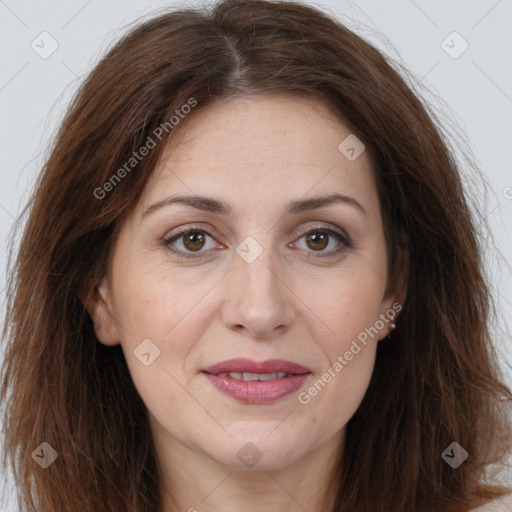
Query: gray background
[{"x": 473, "y": 93}]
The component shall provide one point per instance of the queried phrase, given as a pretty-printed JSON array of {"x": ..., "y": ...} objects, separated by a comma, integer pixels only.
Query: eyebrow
[{"x": 209, "y": 204}]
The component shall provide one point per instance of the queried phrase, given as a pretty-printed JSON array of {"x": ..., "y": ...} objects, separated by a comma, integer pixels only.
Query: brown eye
[
  {"x": 317, "y": 240},
  {"x": 194, "y": 240},
  {"x": 189, "y": 241}
]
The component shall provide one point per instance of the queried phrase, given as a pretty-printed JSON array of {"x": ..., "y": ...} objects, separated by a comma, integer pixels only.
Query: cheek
[
  {"x": 337, "y": 390},
  {"x": 156, "y": 325},
  {"x": 155, "y": 304},
  {"x": 350, "y": 307},
  {"x": 156, "y": 344}
]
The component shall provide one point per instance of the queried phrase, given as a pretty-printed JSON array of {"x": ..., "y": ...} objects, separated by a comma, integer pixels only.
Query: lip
[
  {"x": 257, "y": 392},
  {"x": 250, "y": 366}
]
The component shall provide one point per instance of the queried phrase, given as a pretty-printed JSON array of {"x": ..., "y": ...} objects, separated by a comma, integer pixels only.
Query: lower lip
[{"x": 258, "y": 392}]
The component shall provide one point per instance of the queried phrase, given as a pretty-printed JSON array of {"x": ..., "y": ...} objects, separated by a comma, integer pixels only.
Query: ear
[
  {"x": 396, "y": 293},
  {"x": 96, "y": 301},
  {"x": 392, "y": 304}
]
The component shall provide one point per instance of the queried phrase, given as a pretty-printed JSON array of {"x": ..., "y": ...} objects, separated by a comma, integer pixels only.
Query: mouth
[
  {"x": 251, "y": 377},
  {"x": 254, "y": 382}
]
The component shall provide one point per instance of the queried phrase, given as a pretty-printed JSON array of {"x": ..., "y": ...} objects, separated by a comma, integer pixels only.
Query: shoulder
[{"x": 503, "y": 504}]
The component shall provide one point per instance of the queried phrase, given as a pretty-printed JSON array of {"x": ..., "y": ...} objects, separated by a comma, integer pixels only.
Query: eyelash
[{"x": 344, "y": 240}]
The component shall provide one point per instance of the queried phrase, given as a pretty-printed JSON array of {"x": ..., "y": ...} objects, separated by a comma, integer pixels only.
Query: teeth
[
  {"x": 248, "y": 377},
  {"x": 266, "y": 376}
]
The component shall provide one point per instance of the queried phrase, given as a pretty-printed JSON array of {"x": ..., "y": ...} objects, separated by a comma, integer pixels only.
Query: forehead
[
  {"x": 263, "y": 127},
  {"x": 263, "y": 147}
]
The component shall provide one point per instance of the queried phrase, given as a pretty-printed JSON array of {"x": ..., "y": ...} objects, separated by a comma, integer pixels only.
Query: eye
[
  {"x": 193, "y": 239},
  {"x": 318, "y": 238}
]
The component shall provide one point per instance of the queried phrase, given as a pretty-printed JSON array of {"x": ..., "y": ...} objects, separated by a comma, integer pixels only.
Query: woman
[{"x": 249, "y": 281}]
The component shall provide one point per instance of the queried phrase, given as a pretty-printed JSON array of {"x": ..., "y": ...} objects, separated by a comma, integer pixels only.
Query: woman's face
[{"x": 279, "y": 277}]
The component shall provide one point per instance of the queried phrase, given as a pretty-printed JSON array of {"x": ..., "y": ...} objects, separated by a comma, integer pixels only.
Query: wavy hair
[{"x": 436, "y": 380}]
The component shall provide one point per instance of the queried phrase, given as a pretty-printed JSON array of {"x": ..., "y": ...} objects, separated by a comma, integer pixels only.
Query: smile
[
  {"x": 254, "y": 376},
  {"x": 253, "y": 382}
]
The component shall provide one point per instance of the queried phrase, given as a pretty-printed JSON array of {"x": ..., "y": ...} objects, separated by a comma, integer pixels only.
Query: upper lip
[{"x": 247, "y": 365}]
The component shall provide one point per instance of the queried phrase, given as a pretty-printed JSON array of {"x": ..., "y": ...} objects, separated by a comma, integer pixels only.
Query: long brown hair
[{"x": 436, "y": 381}]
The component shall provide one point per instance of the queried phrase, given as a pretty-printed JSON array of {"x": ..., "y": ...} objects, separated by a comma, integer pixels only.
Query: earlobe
[
  {"x": 393, "y": 306},
  {"x": 396, "y": 291},
  {"x": 96, "y": 302}
]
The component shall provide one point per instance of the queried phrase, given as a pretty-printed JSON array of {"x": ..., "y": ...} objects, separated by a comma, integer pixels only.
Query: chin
[{"x": 257, "y": 452}]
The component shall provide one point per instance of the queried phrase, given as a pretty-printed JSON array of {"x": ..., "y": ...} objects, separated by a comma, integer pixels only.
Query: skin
[{"x": 290, "y": 303}]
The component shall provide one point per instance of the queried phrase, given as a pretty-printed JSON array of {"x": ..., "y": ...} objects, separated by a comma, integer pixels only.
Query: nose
[{"x": 258, "y": 298}]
